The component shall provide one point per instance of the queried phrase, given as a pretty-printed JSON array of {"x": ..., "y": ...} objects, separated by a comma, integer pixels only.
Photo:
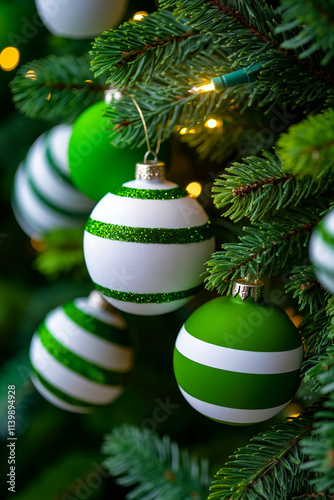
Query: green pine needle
[
  {"x": 158, "y": 468},
  {"x": 308, "y": 147}
]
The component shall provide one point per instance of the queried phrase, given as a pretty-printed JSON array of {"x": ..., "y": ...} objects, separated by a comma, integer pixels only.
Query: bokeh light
[
  {"x": 9, "y": 58},
  {"x": 194, "y": 189}
]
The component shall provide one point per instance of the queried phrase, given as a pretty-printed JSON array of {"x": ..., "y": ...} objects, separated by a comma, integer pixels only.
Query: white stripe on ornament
[
  {"x": 321, "y": 253},
  {"x": 36, "y": 212},
  {"x": 68, "y": 381},
  {"x": 153, "y": 184},
  {"x": 145, "y": 268},
  {"x": 87, "y": 345},
  {"x": 49, "y": 184},
  {"x": 102, "y": 315},
  {"x": 54, "y": 400},
  {"x": 236, "y": 360},
  {"x": 124, "y": 211},
  {"x": 232, "y": 415},
  {"x": 149, "y": 309}
]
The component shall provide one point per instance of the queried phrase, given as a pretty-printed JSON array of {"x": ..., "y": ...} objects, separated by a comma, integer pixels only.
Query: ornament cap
[
  {"x": 244, "y": 289},
  {"x": 151, "y": 170},
  {"x": 96, "y": 299}
]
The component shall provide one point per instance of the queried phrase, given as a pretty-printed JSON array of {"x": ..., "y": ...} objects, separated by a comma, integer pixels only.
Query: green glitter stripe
[
  {"x": 164, "y": 236},
  {"x": 54, "y": 167},
  {"x": 150, "y": 194},
  {"x": 146, "y": 298},
  {"x": 60, "y": 394},
  {"x": 96, "y": 326},
  {"x": 76, "y": 363},
  {"x": 49, "y": 204},
  {"x": 328, "y": 238}
]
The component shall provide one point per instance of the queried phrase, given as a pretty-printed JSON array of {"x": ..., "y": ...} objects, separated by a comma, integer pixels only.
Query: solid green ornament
[
  {"x": 237, "y": 359},
  {"x": 96, "y": 166}
]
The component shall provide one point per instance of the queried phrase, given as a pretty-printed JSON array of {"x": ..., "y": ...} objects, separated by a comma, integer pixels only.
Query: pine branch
[
  {"x": 315, "y": 25},
  {"x": 320, "y": 445},
  {"x": 260, "y": 186},
  {"x": 248, "y": 31},
  {"x": 305, "y": 287},
  {"x": 61, "y": 252},
  {"x": 56, "y": 88},
  {"x": 308, "y": 147},
  {"x": 156, "y": 465},
  {"x": 266, "y": 247},
  {"x": 269, "y": 467},
  {"x": 137, "y": 51}
]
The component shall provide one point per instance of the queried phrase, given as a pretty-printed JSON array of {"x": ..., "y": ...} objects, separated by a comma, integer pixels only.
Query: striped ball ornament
[
  {"x": 322, "y": 251},
  {"x": 145, "y": 245},
  {"x": 44, "y": 198},
  {"x": 236, "y": 361},
  {"x": 81, "y": 356}
]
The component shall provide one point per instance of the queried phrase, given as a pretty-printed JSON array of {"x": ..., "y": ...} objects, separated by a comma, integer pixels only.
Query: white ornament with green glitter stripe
[
  {"x": 146, "y": 244},
  {"x": 81, "y": 355},
  {"x": 44, "y": 198},
  {"x": 322, "y": 251},
  {"x": 237, "y": 360}
]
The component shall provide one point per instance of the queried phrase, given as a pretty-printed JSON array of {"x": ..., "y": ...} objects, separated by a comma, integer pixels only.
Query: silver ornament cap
[
  {"x": 151, "y": 170},
  {"x": 244, "y": 289}
]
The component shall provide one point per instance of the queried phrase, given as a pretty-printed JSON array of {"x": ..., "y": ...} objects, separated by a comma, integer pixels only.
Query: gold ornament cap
[
  {"x": 96, "y": 299},
  {"x": 244, "y": 289},
  {"x": 151, "y": 170}
]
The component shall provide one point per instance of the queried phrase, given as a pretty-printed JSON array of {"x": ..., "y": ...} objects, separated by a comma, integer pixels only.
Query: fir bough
[{"x": 155, "y": 466}]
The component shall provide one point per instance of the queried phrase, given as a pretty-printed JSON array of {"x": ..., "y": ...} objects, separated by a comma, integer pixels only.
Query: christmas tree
[{"x": 241, "y": 93}]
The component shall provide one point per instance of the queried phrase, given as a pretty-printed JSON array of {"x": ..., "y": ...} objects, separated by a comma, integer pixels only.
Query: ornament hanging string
[{"x": 154, "y": 153}]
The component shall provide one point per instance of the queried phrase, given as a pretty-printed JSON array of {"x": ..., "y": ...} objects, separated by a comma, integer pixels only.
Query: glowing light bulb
[
  {"x": 194, "y": 189},
  {"x": 31, "y": 74},
  {"x": 9, "y": 58},
  {"x": 212, "y": 123},
  {"x": 48, "y": 97},
  {"x": 138, "y": 16},
  {"x": 88, "y": 81},
  {"x": 200, "y": 89}
]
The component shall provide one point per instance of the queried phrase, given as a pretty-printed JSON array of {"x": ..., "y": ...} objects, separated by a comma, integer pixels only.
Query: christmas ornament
[
  {"x": 237, "y": 359},
  {"x": 322, "y": 251},
  {"x": 81, "y": 18},
  {"x": 81, "y": 355},
  {"x": 146, "y": 243},
  {"x": 44, "y": 198},
  {"x": 95, "y": 165}
]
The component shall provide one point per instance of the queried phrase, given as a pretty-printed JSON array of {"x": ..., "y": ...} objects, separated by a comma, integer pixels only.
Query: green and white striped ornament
[
  {"x": 81, "y": 355},
  {"x": 237, "y": 359},
  {"x": 322, "y": 251},
  {"x": 44, "y": 198},
  {"x": 146, "y": 244}
]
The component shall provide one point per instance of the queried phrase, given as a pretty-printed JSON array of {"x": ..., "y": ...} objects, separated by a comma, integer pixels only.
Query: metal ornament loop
[
  {"x": 151, "y": 170},
  {"x": 147, "y": 154}
]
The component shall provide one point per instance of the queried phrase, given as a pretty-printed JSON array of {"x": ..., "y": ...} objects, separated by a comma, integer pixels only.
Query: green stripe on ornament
[
  {"x": 245, "y": 391},
  {"x": 147, "y": 298},
  {"x": 48, "y": 203},
  {"x": 78, "y": 364},
  {"x": 53, "y": 166},
  {"x": 95, "y": 326},
  {"x": 60, "y": 394},
  {"x": 150, "y": 194},
  {"x": 146, "y": 235},
  {"x": 323, "y": 233}
]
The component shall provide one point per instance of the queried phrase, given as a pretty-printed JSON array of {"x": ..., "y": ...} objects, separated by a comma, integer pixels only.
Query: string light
[
  {"x": 194, "y": 189},
  {"x": 211, "y": 123},
  {"x": 9, "y": 58},
  {"x": 219, "y": 83},
  {"x": 185, "y": 130},
  {"x": 138, "y": 16},
  {"x": 31, "y": 74}
]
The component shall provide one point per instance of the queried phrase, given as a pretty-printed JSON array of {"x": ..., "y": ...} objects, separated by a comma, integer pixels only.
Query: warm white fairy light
[
  {"x": 199, "y": 89},
  {"x": 194, "y": 189},
  {"x": 211, "y": 123},
  {"x": 138, "y": 16}
]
